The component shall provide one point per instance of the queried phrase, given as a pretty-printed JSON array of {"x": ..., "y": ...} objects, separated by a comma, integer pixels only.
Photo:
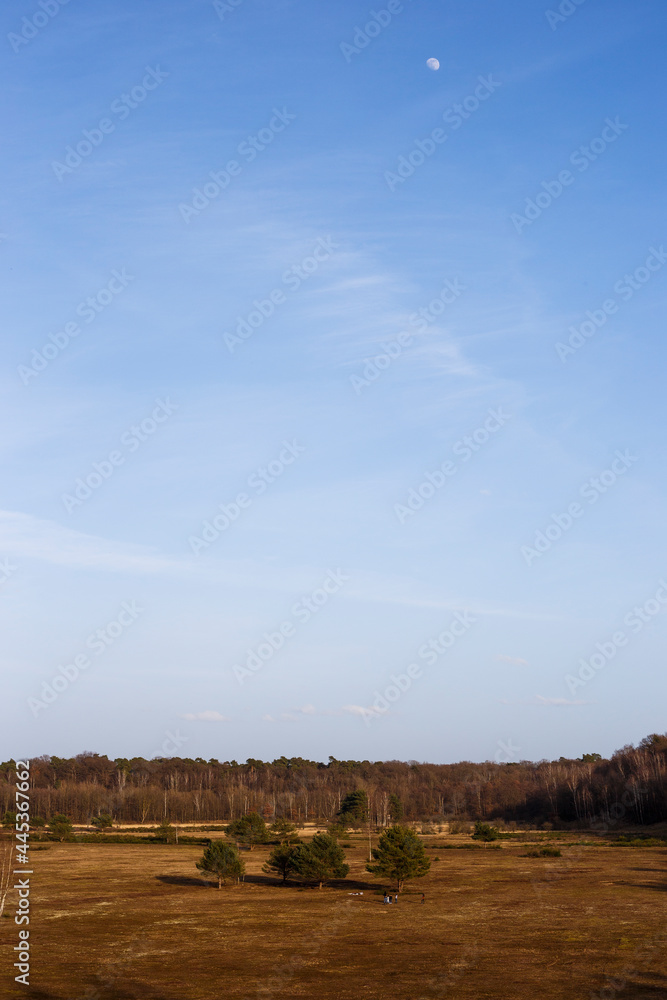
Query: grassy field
[{"x": 135, "y": 921}]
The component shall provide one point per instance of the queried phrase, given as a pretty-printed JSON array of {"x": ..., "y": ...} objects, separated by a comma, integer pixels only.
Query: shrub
[
  {"x": 103, "y": 822},
  {"x": 165, "y": 832},
  {"x": 485, "y": 832},
  {"x": 457, "y": 826},
  {"x": 60, "y": 827}
]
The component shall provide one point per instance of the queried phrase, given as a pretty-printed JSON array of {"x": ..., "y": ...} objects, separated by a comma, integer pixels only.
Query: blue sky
[{"x": 420, "y": 243}]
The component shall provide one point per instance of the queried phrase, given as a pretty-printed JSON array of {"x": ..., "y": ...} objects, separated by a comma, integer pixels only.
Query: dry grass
[{"x": 134, "y": 921}]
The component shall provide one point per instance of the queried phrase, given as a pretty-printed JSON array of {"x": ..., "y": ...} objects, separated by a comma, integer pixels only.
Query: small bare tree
[{"x": 6, "y": 848}]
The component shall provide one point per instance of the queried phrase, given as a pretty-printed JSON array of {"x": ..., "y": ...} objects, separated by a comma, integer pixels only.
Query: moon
[{"x": 433, "y": 64}]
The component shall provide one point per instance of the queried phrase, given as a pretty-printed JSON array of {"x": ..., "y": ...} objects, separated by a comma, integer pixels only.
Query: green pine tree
[
  {"x": 103, "y": 822},
  {"x": 395, "y": 808},
  {"x": 222, "y": 861},
  {"x": 165, "y": 832},
  {"x": 284, "y": 831},
  {"x": 60, "y": 827},
  {"x": 249, "y": 829},
  {"x": 485, "y": 832},
  {"x": 354, "y": 808},
  {"x": 321, "y": 860},
  {"x": 399, "y": 856},
  {"x": 282, "y": 861}
]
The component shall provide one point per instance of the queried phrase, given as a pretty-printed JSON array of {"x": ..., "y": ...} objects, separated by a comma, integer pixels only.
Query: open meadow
[{"x": 137, "y": 921}]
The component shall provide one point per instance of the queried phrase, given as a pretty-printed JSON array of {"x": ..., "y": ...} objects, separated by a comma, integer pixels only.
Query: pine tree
[
  {"x": 222, "y": 861},
  {"x": 321, "y": 860},
  {"x": 60, "y": 827},
  {"x": 284, "y": 831},
  {"x": 399, "y": 856},
  {"x": 354, "y": 808},
  {"x": 395, "y": 808},
  {"x": 249, "y": 829},
  {"x": 282, "y": 861}
]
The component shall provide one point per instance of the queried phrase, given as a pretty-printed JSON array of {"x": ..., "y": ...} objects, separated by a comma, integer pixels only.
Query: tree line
[{"x": 627, "y": 788}]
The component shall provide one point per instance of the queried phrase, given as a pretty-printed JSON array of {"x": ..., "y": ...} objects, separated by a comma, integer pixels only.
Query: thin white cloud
[
  {"x": 360, "y": 710},
  {"x": 515, "y": 660},
  {"x": 208, "y": 716},
  {"x": 539, "y": 700},
  {"x": 26, "y": 537}
]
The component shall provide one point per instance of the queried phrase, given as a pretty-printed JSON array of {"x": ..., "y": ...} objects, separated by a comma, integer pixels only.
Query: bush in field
[
  {"x": 399, "y": 856},
  {"x": 457, "y": 826},
  {"x": 103, "y": 822},
  {"x": 222, "y": 861},
  {"x": 9, "y": 819},
  {"x": 337, "y": 830},
  {"x": 165, "y": 832},
  {"x": 60, "y": 827},
  {"x": 249, "y": 830},
  {"x": 321, "y": 860},
  {"x": 485, "y": 832},
  {"x": 543, "y": 852}
]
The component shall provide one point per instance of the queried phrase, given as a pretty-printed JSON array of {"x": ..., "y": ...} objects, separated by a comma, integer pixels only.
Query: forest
[{"x": 628, "y": 788}]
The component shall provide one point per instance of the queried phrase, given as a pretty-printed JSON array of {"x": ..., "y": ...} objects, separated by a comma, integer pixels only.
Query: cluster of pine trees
[
  {"x": 399, "y": 855},
  {"x": 630, "y": 787}
]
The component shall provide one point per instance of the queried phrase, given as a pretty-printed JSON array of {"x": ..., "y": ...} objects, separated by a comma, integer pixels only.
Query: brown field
[{"x": 135, "y": 921}]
